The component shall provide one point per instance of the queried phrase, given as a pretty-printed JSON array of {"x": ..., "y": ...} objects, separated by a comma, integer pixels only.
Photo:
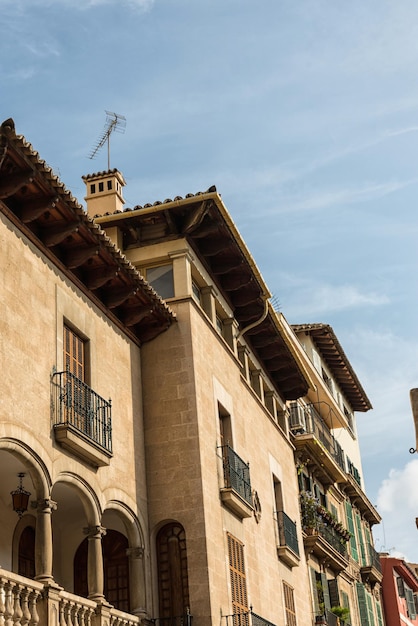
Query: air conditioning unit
[{"x": 297, "y": 419}]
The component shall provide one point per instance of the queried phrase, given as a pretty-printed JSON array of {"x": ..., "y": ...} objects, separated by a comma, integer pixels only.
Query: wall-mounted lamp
[{"x": 20, "y": 497}]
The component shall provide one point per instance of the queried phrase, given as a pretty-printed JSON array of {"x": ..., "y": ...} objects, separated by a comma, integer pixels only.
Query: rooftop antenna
[{"x": 114, "y": 122}]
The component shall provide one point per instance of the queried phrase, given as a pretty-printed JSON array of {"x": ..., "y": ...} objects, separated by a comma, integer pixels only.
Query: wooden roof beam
[
  {"x": 33, "y": 209},
  {"x": 56, "y": 234},
  {"x": 78, "y": 256},
  {"x": 11, "y": 183}
]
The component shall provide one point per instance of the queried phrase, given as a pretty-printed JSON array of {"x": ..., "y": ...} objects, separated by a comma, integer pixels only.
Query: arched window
[
  {"x": 173, "y": 581},
  {"x": 115, "y": 568},
  {"x": 26, "y": 553}
]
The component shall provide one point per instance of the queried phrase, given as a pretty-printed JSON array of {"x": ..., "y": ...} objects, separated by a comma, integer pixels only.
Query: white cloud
[
  {"x": 397, "y": 502},
  {"x": 318, "y": 299},
  {"x": 143, "y": 5}
]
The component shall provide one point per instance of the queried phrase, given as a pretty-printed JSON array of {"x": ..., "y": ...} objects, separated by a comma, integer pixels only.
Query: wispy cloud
[
  {"x": 395, "y": 495},
  {"x": 314, "y": 300},
  {"x": 82, "y": 5}
]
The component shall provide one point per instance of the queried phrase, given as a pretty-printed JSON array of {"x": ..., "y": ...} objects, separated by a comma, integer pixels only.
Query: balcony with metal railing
[
  {"x": 288, "y": 545},
  {"x": 371, "y": 570},
  {"x": 323, "y": 536},
  {"x": 82, "y": 419},
  {"x": 309, "y": 430},
  {"x": 236, "y": 490},
  {"x": 245, "y": 618}
]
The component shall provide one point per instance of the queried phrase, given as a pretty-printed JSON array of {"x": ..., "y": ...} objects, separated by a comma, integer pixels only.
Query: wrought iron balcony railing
[
  {"x": 178, "y": 620},
  {"x": 236, "y": 474},
  {"x": 373, "y": 559},
  {"x": 305, "y": 419},
  {"x": 246, "y": 618},
  {"x": 317, "y": 520},
  {"x": 78, "y": 406},
  {"x": 287, "y": 532}
]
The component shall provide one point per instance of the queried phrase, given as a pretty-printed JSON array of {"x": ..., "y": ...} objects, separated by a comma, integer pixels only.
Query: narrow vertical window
[
  {"x": 172, "y": 571},
  {"x": 289, "y": 605},
  {"x": 74, "y": 353},
  {"x": 225, "y": 431},
  {"x": 238, "y": 580}
]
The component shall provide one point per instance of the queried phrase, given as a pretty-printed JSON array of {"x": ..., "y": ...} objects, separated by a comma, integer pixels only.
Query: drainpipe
[{"x": 256, "y": 323}]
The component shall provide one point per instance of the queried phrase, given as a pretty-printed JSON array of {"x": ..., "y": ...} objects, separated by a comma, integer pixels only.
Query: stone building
[{"x": 186, "y": 496}]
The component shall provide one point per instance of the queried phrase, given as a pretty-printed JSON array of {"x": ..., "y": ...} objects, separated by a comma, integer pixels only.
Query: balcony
[
  {"x": 236, "y": 493},
  {"x": 25, "y": 601},
  {"x": 371, "y": 572},
  {"x": 288, "y": 548},
  {"x": 246, "y": 618},
  {"x": 313, "y": 435},
  {"x": 324, "y": 536},
  {"x": 82, "y": 419},
  {"x": 178, "y": 620}
]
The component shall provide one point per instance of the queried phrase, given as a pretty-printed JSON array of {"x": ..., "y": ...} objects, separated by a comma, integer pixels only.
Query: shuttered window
[
  {"x": 362, "y": 604},
  {"x": 334, "y": 596},
  {"x": 362, "y": 554},
  {"x": 74, "y": 354},
  {"x": 346, "y": 604},
  {"x": 237, "y": 573},
  {"x": 410, "y": 603},
  {"x": 314, "y": 591},
  {"x": 350, "y": 524},
  {"x": 379, "y": 613},
  {"x": 289, "y": 605}
]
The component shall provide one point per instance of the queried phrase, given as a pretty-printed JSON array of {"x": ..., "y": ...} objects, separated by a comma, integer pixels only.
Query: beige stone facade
[{"x": 194, "y": 496}]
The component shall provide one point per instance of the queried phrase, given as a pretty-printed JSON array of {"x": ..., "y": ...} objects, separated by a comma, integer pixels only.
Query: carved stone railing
[
  {"x": 25, "y": 602},
  {"x": 19, "y": 600}
]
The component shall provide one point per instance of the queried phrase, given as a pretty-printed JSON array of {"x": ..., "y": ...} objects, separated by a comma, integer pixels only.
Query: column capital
[
  {"x": 94, "y": 532},
  {"x": 136, "y": 553},
  {"x": 44, "y": 505}
]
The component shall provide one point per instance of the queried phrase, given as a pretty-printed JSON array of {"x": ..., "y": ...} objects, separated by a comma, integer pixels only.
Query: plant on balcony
[
  {"x": 342, "y": 612},
  {"x": 309, "y": 508}
]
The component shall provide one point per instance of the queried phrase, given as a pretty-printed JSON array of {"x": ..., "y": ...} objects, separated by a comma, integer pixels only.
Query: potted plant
[
  {"x": 342, "y": 612},
  {"x": 309, "y": 509}
]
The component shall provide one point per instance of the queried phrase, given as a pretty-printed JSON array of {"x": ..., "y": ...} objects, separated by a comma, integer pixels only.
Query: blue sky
[{"x": 305, "y": 116}]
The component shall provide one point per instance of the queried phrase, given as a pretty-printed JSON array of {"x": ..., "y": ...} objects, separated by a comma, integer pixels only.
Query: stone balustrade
[{"x": 26, "y": 602}]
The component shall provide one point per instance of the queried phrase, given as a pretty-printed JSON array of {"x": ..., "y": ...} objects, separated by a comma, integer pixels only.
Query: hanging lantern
[{"x": 20, "y": 497}]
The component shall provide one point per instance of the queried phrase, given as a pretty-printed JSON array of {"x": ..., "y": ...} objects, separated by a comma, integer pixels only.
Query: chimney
[{"x": 104, "y": 192}]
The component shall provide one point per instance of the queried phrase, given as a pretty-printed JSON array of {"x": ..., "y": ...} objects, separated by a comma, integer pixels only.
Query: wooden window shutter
[
  {"x": 410, "y": 603},
  {"x": 325, "y": 592},
  {"x": 360, "y": 540},
  {"x": 237, "y": 573},
  {"x": 369, "y": 602},
  {"x": 346, "y": 604},
  {"x": 350, "y": 524},
  {"x": 362, "y": 604},
  {"x": 314, "y": 591},
  {"x": 379, "y": 613},
  {"x": 74, "y": 353},
  {"x": 334, "y": 596},
  {"x": 289, "y": 605},
  {"x": 401, "y": 587}
]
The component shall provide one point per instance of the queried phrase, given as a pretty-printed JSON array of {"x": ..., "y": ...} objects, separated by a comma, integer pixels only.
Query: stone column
[
  {"x": 43, "y": 540},
  {"x": 137, "y": 581},
  {"x": 95, "y": 576}
]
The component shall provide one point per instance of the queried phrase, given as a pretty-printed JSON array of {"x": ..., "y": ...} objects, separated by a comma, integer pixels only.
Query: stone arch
[
  {"x": 172, "y": 570},
  {"x": 35, "y": 466}
]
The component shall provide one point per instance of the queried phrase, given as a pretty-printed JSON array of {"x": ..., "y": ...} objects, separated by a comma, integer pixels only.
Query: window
[
  {"x": 115, "y": 569},
  {"x": 93, "y": 188},
  {"x": 109, "y": 185},
  {"x": 350, "y": 523},
  {"x": 289, "y": 605},
  {"x": 26, "y": 564},
  {"x": 101, "y": 186},
  {"x": 219, "y": 325},
  {"x": 237, "y": 573},
  {"x": 173, "y": 582},
  {"x": 196, "y": 293},
  {"x": 346, "y": 604},
  {"x": 162, "y": 280},
  {"x": 74, "y": 353},
  {"x": 225, "y": 430}
]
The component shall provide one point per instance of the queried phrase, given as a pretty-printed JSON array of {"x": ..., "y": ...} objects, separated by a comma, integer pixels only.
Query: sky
[{"x": 304, "y": 114}]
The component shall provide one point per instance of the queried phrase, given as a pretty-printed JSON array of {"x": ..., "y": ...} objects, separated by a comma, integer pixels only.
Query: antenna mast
[{"x": 114, "y": 122}]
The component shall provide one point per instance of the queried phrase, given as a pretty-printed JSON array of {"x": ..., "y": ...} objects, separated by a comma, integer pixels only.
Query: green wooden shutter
[
  {"x": 379, "y": 613},
  {"x": 325, "y": 592},
  {"x": 346, "y": 603},
  {"x": 334, "y": 596},
  {"x": 362, "y": 605},
  {"x": 314, "y": 591},
  {"x": 360, "y": 540},
  {"x": 350, "y": 523},
  {"x": 369, "y": 602},
  {"x": 410, "y": 603}
]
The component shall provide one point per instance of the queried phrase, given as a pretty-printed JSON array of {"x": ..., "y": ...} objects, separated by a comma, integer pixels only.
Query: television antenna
[{"x": 114, "y": 122}]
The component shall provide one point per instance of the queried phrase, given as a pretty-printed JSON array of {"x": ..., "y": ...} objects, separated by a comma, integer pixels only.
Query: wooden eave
[
  {"x": 203, "y": 221},
  {"x": 330, "y": 348},
  {"x": 38, "y": 204},
  {"x": 353, "y": 490}
]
